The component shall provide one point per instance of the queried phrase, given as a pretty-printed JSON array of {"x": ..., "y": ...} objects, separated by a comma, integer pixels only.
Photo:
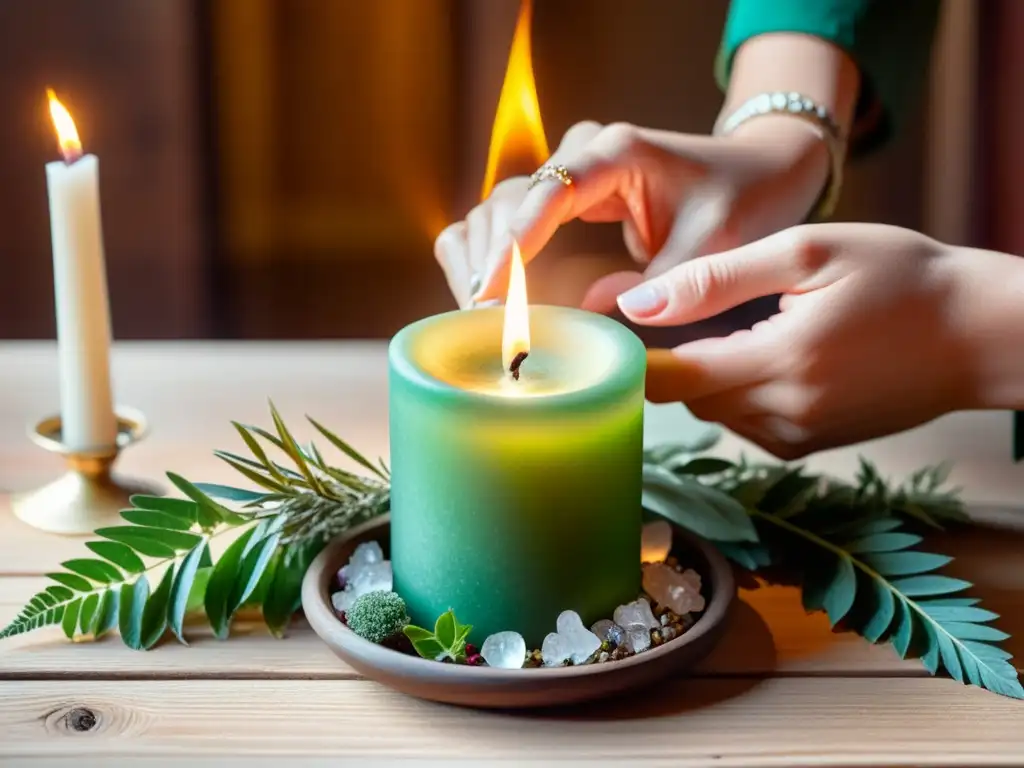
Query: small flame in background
[
  {"x": 515, "y": 338},
  {"x": 67, "y": 134},
  {"x": 518, "y": 132}
]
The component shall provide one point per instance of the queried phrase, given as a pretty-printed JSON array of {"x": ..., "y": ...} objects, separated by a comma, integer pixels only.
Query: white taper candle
[{"x": 80, "y": 290}]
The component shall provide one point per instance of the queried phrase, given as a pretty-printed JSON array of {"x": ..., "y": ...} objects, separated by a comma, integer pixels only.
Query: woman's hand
[
  {"x": 880, "y": 329},
  {"x": 677, "y": 196}
]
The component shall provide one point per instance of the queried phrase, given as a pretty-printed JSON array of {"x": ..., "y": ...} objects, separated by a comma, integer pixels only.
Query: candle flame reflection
[
  {"x": 518, "y": 142},
  {"x": 67, "y": 134},
  {"x": 515, "y": 338}
]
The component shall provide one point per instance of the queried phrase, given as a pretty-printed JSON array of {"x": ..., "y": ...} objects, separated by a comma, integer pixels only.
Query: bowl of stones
[{"x": 679, "y": 616}]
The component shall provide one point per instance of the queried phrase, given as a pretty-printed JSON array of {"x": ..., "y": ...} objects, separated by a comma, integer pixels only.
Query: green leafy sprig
[
  {"x": 446, "y": 643},
  {"x": 852, "y": 547},
  {"x": 283, "y": 526}
]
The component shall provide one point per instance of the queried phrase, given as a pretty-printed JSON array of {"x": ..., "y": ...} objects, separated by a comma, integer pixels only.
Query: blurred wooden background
[{"x": 276, "y": 169}]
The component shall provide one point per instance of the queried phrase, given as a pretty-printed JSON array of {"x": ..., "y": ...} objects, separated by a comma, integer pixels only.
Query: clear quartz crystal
[
  {"x": 679, "y": 592},
  {"x": 608, "y": 630},
  {"x": 637, "y": 613},
  {"x": 505, "y": 650},
  {"x": 638, "y": 639},
  {"x": 366, "y": 571},
  {"x": 366, "y": 553},
  {"x": 571, "y": 641},
  {"x": 637, "y": 620}
]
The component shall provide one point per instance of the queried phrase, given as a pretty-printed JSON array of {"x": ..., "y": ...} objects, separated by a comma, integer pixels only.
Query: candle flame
[
  {"x": 517, "y": 137},
  {"x": 67, "y": 134},
  {"x": 515, "y": 340}
]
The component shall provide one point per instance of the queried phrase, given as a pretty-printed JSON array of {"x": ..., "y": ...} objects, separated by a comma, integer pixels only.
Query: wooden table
[{"x": 781, "y": 690}]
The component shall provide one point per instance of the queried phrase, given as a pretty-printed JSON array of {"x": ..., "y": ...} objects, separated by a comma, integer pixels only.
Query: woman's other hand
[{"x": 880, "y": 329}]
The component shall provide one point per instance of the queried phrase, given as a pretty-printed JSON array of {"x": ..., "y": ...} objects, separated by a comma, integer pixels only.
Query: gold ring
[{"x": 551, "y": 173}]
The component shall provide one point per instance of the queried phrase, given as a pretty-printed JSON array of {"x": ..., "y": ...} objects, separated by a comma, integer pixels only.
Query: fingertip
[
  {"x": 450, "y": 237},
  {"x": 644, "y": 303}
]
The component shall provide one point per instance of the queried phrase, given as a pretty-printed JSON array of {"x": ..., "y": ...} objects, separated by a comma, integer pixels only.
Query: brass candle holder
[{"x": 88, "y": 495}]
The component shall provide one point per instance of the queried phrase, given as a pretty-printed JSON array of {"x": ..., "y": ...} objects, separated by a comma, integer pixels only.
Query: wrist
[
  {"x": 792, "y": 166},
  {"x": 989, "y": 314}
]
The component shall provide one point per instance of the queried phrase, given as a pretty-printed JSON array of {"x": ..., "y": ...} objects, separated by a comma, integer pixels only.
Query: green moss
[{"x": 377, "y": 616}]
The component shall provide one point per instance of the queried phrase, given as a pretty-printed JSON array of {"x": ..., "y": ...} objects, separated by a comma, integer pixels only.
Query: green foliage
[
  {"x": 853, "y": 548},
  {"x": 446, "y": 643},
  {"x": 377, "y": 616},
  {"x": 279, "y": 530}
]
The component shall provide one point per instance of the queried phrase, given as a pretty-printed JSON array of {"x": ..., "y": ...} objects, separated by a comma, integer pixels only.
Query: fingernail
[{"x": 646, "y": 299}]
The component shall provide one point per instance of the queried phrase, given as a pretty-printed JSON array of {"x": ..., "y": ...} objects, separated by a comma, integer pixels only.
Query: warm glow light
[
  {"x": 518, "y": 130},
  {"x": 515, "y": 338},
  {"x": 67, "y": 134}
]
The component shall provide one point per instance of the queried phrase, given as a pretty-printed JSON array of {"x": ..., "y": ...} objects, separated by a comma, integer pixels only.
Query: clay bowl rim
[{"x": 319, "y": 612}]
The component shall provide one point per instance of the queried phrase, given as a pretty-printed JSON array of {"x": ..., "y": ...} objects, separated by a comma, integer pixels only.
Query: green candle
[{"x": 515, "y": 499}]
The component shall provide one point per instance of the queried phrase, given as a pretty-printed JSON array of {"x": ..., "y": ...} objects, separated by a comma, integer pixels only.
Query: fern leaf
[
  {"x": 914, "y": 613},
  {"x": 91, "y": 596}
]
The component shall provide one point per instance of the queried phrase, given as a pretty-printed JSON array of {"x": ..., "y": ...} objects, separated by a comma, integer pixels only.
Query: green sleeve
[{"x": 890, "y": 40}]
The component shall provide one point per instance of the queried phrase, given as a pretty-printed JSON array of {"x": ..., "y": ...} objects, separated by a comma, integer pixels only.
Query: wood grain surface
[{"x": 783, "y": 689}]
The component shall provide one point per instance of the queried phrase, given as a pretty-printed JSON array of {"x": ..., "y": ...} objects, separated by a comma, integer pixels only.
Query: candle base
[{"x": 88, "y": 495}]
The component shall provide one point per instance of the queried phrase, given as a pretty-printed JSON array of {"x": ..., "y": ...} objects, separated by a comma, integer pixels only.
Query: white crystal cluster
[
  {"x": 570, "y": 642},
  {"x": 366, "y": 571},
  {"x": 504, "y": 650},
  {"x": 636, "y": 620}
]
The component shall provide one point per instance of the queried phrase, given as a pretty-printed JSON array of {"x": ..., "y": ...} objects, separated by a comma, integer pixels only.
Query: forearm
[
  {"x": 793, "y": 62},
  {"x": 889, "y": 42}
]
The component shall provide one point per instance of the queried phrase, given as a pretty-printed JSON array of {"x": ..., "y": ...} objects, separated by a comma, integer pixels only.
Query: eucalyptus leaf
[
  {"x": 132, "y": 605},
  {"x": 155, "y": 519},
  {"x": 98, "y": 570},
  {"x": 944, "y": 613},
  {"x": 228, "y": 493},
  {"x": 71, "y": 581},
  {"x": 697, "y": 507},
  {"x": 252, "y": 567},
  {"x": 108, "y": 611},
  {"x": 882, "y": 613},
  {"x": 209, "y": 512},
  {"x": 146, "y": 541},
  {"x": 119, "y": 554},
  {"x": 222, "y": 583},
  {"x": 906, "y": 563},
  {"x": 87, "y": 615},
  {"x": 182, "y": 509},
  {"x": 903, "y": 630},
  {"x": 932, "y": 584},
  {"x": 181, "y": 591},
  {"x": 154, "y": 615},
  {"x": 284, "y": 591},
  {"x": 69, "y": 621},
  {"x": 882, "y": 542}
]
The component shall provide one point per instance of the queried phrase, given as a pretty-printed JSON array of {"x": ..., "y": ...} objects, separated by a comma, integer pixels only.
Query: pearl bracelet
[{"x": 798, "y": 106}]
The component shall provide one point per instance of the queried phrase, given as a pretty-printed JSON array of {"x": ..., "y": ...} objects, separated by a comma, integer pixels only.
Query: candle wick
[{"x": 516, "y": 362}]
